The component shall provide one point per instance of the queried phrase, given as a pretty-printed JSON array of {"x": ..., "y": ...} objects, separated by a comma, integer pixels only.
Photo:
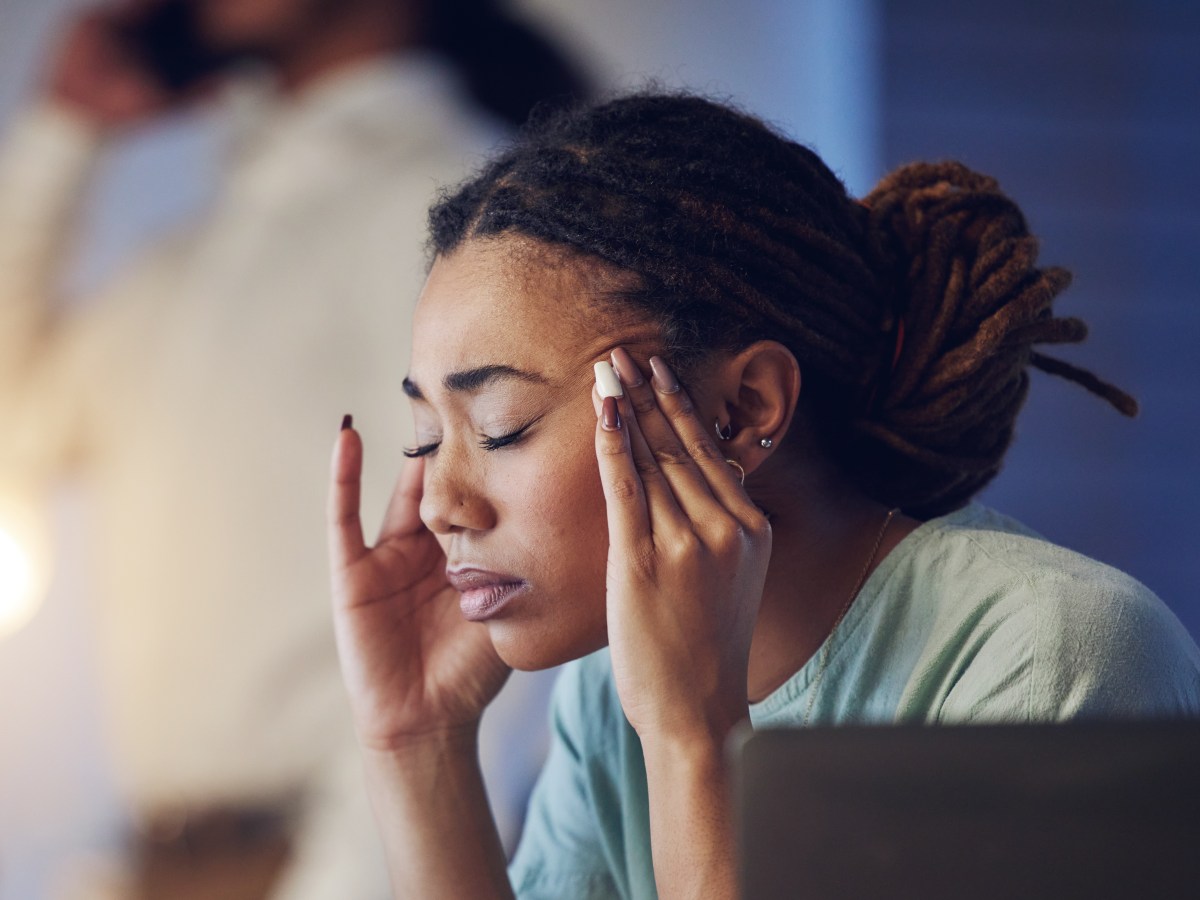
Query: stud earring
[
  {"x": 726, "y": 434},
  {"x": 766, "y": 443}
]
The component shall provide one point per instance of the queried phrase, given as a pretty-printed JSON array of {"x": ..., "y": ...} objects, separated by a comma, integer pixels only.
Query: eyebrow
[{"x": 470, "y": 380}]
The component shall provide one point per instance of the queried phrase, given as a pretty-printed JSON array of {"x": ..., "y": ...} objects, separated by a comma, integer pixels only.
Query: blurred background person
[{"x": 197, "y": 391}]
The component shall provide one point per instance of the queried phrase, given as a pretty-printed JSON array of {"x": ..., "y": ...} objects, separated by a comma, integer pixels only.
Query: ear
[{"x": 756, "y": 391}]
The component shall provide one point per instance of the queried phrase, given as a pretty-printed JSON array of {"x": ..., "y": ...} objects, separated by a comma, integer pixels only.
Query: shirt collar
[{"x": 372, "y": 100}]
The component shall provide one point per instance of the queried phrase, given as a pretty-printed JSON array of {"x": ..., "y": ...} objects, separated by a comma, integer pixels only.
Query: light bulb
[
  {"x": 22, "y": 566},
  {"x": 17, "y": 603}
]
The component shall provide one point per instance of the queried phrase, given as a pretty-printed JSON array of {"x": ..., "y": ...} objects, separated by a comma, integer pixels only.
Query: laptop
[{"x": 1080, "y": 810}]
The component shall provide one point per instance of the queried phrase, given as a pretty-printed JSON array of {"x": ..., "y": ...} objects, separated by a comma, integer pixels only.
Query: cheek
[
  {"x": 554, "y": 507},
  {"x": 558, "y": 519},
  {"x": 551, "y": 527},
  {"x": 558, "y": 497}
]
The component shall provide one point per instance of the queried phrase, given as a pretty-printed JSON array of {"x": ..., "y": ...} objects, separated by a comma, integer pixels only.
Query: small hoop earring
[
  {"x": 726, "y": 434},
  {"x": 741, "y": 472},
  {"x": 766, "y": 443}
]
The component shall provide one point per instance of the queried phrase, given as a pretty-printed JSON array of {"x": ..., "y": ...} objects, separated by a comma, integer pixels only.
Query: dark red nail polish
[
  {"x": 610, "y": 417},
  {"x": 347, "y": 421}
]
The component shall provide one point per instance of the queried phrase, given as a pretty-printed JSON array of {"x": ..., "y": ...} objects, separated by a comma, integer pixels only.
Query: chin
[
  {"x": 231, "y": 27},
  {"x": 530, "y": 648}
]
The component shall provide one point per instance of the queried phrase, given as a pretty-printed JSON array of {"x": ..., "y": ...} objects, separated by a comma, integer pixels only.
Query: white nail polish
[{"x": 607, "y": 382}]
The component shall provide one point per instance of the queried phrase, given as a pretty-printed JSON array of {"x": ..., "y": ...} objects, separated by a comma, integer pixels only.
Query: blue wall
[{"x": 1091, "y": 123}]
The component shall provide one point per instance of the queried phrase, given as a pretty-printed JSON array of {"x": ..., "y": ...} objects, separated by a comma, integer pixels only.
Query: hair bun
[{"x": 961, "y": 265}]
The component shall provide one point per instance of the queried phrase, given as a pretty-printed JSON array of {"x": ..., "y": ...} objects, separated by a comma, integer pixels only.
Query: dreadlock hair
[{"x": 913, "y": 313}]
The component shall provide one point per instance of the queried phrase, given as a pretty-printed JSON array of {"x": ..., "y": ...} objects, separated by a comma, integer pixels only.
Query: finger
[
  {"x": 662, "y": 506},
  {"x": 655, "y": 430},
  {"x": 624, "y": 491},
  {"x": 687, "y": 480},
  {"x": 675, "y": 405},
  {"x": 345, "y": 527},
  {"x": 403, "y": 514}
]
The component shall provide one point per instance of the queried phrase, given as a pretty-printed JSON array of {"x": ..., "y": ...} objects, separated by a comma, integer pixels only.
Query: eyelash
[
  {"x": 505, "y": 440},
  {"x": 423, "y": 450},
  {"x": 485, "y": 442}
]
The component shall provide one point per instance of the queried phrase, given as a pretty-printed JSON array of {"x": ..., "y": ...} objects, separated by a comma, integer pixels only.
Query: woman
[{"x": 764, "y": 510}]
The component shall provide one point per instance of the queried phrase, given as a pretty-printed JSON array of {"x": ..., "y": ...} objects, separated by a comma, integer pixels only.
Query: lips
[{"x": 483, "y": 594}]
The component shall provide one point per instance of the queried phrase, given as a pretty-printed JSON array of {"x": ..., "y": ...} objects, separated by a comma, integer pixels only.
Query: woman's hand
[
  {"x": 687, "y": 560},
  {"x": 97, "y": 75},
  {"x": 413, "y": 666}
]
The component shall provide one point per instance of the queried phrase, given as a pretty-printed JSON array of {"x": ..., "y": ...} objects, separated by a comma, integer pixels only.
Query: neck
[
  {"x": 350, "y": 39},
  {"x": 823, "y": 534}
]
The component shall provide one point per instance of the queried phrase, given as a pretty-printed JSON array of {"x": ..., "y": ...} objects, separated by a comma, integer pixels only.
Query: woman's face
[
  {"x": 505, "y": 335},
  {"x": 263, "y": 25}
]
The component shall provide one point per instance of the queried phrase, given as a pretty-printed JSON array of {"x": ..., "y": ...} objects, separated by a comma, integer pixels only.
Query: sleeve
[
  {"x": 1088, "y": 643},
  {"x": 44, "y": 164},
  {"x": 560, "y": 853},
  {"x": 59, "y": 362}
]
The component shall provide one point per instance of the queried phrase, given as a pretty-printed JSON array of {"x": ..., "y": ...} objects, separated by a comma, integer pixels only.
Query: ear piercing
[{"x": 726, "y": 433}]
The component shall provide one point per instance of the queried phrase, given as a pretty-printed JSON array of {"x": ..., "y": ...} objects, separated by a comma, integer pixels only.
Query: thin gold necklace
[{"x": 827, "y": 648}]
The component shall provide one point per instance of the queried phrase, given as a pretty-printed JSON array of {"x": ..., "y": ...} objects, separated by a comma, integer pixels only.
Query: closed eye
[
  {"x": 504, "y": 440},
  {"x": 423, "y": 450},
  {"x": 487, "y": 442}
]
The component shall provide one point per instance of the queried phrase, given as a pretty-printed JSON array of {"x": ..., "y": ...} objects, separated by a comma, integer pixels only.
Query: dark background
[{"x": 1089, "y": 115}]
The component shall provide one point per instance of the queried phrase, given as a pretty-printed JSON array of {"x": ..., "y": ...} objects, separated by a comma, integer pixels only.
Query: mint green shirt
[{"x": 971, "y": 618}]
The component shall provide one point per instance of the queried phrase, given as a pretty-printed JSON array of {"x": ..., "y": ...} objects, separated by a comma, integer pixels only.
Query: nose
[{"x": 454, "y": 496}]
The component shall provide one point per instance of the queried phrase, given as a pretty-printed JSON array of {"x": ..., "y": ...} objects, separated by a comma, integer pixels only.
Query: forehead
[{"x": 511, "y": 299}]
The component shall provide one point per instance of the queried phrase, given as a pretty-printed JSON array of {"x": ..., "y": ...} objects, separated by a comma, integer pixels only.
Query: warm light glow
[
  {"x": 18, "y": 593},
  {"x": 24, "y": 559}
]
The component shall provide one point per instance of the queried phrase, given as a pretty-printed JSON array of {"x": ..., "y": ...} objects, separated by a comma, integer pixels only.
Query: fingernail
[
  {"x": 607, "y": 382},
  {"x": 626, "y": 367},
  {"x": 664, "y": 379},
  {"x": 347, "y": 421},
  {"x": 610, "y": 416}
]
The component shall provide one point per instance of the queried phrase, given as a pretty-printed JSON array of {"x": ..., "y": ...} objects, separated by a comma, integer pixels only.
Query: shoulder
[
  {"x": 1076, "y": 635},
  {"x": 1000, "y": 563},
  {"x": 414, "y": 115}
]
